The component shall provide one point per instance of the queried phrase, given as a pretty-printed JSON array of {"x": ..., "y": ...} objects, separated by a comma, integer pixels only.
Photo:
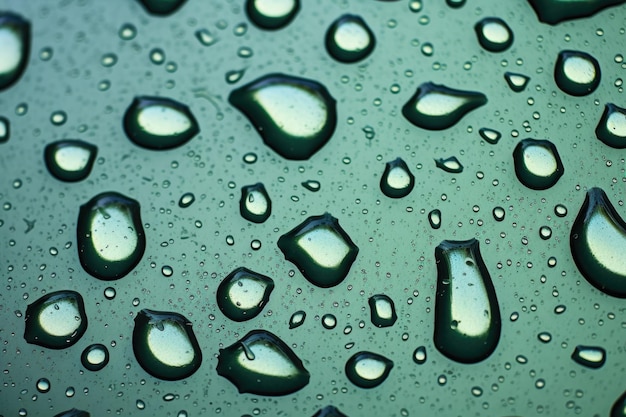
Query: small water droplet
[
  {"x": 434, "y": 218},
  {"x": 331, "y": 411},
  {"x": 312, "y": 185},
  {"x": 415, "y": 6},
  {"x": 234, "y": 76},
  {"x": 162, "y": 7},
  {"x": 450, "y": 164},
  {"x": 329, "y": 321},
  {"x": 109, "y": 293},
  {"x": 545, "y": 232},
  {"x": 349, "y": 39},
  {"x": 494, "y": 34},
  {"x": 186, "y": 200},
  {"x": 517, "y": 82},
  {"x": 419, "y": 355},
  {"x": 58, "y": 118},
  {"x": 589, "y": 356},
  {"x": 382, "y": 310},
  {"x": 127, "y": 32},
  {"x": 157, "y": 56},
  {"x": 537, "y": 163},
  {"x": 243, "y": 293},
  {"x": 560, "y": 210},
  {"x": 368, "y": 369},
  {"x": 70, "y": 160},
  {"x": 95, "y": 357},
  {"x": 43, "y": 385},
  {"x": 297, "y": 319},
  {"x": 255, "y": 204},
  {"x": 272, "y": 14},
  {"x": 397, "y": 180},
  {"x": 205, "y": 37},
  {"x": 611, "y": 128},
  {"x": 577, "y": 73},
  {"x": 167, "y": 271},
  {"x": 544, "y": 337},
  {"x": 15, "y": 40}
]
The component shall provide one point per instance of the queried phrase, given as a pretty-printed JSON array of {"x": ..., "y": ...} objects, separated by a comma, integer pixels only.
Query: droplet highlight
[
  {"x": 537, "y": 163},
  {"x": 70, "y": 160}
]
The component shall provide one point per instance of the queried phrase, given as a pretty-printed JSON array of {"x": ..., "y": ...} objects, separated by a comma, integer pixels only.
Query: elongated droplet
[
  {"x": 537, "y": 163},
  {"x": 517, "y": 82},
  {"x": 234, "y": 76},
  {"x": 165, "y": 345},
  {"x": 57, "y": 320},
  {"x": 262, "y": 364},
  {"x": 494, "y": 34},
  {"x": 368, "y": 369},
  {"x": 159, "y": 123},
  {"x": 95, "y": 357},
  {"x": 577, "y": 73},
  {"x": 272, "y": 14},
  {"x": 619, "y": 407},
  {"x": 397, "y": 180},
  {"x": 15, "y": 39},
  {"x": 297, "y": 319},
  {"x": 110, "y": 235},
  {"x": 557, "y": 11},
  {"x": 450, "y": 164},
  {"x": 419, "y": 355},
  {"x": 294, "y": 116},
  {"x": 437, "y": 107},
  {"x": 330, "y": 411},
  {"x": 70, "y": 160},
  {"x": 382, "y": 310},
  {"x": 205, "y": 37},
  {"x": 321, "y": 249},
  {"x": 255, "y": 204},
  {"x": 73, "y": 413},
  {"x": 589, "y": 356},
  {"x": 312, "y": 185},
  {"x": 349, "y": 39},
  {"x": 186, "y": 200},
  {"x": 611, "y": 128},
  {"x": 489, "y": 135},
  {"x": 467, "y": 315},
  {"x": 597, "y": 241},
  {"x": 434, "y": 218},
  {"x": 243, "y": 293},
  {"x": 162, "y": 7}
]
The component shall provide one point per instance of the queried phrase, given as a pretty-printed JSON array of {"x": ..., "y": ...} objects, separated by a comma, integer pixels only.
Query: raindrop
[
  {"x": 234, "y": 76},
  {"x": 537, "y": 163},
  {"x": 611, "y": 128},
  {"x": 250, "y": 158},
  {"x": 544, "y": 337},
  {"x": 162, "y": 7},
  {"x": 70, "y": 159},
  {"x": 455, "y": 4},
  {"x": 545, "y": 232},
  {"x": 498, "y": 213},
  {"x": 272, "y": 14},
  {"x": 15, "y": 39},
  {"x": 556, "y": 11},
  {"x": 186, "y": 200},
  {"x": 58, "y": 118},
  {"x": 255, "y": 204},
  {"x": 127, "y": 32},
  {"x": 450, "y": 164},
  {"x": 331, "y": 411},
  {"x": 109, "y": 293},
  {"x": 619, "y": 407},
  {"x": 494, "y": 34},
  {"x": 43, "y": 385},
  {"x": 434, "y": 218},
  {"x": 397, "y": 180},
  {"x": 560, "y": 210},
  {"x": 157, "y": 56},
  {"x": 489, "y": 135},
  {"x": 205, "y": 37},
  {"x": 329, "y": 321},
  {"x": 349, "y": 39},
  {"x": 367, "y": 369},
  {"x": 517, "y": 82},
  {"x": 95, "y": 357},
  {"x": 577, "y": 73},
  {"x": 297, "y": 319},
  {"x": 5, "y": 129},
  {"x": 243, "y": 293},
  {"x": 589, "y": 356},
  {"x": 312, "y": 185},
  {"x": 382, "y": 310},
  {"x": 415, "y": 6},
  {"x": 419, "y": 355}
]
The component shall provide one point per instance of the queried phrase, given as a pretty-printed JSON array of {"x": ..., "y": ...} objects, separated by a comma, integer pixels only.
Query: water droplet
[
  {"x": 397, "y": 180},
  {"x": 467, "y": 316},
  {"x": 517, "y": 82},
  {"x": 382, "y": 310},
  {"x": 537, "y": 163},
  {"x": 162, "y": 7},
  {"x": 619, "y": 407},
  {"x": 69, "y": 392},
  {"x": 331, "y": 411},
  {"x": 589, "y": 356},
  {"x": 312, "y": 185},
  {"x": 556, "y": 11},
  {"x": 611, "y": 128},
  {"x": 165, "y": 345},
  {"x": 110, "y": 235},
  {"x": 127, "y": 32},
  {"x": 5, "y": 129},
  {"x": 368, "y": 369},
  {"x": 455, "y": 4},
  {"x": 205, "y": 37},
  {"x": 243, "y": 293},
  {"x": 43, "y": 385},
  {"x": 56, "y": 321},
  {"x": 157, "y": 56},
  {"x": 272, "y": 14},
  {"x": 544, "y": 337},
  {"x": 349, "y": 39},
  {"x": 58, "y": 118},
  {"x": 321, "y": 249},
  {"x": 255, "y": 204},
  {"x": 545, "y": 232},
  {"x": 437, "y": 107},
  {"x": 498, "y": 214},
  {"x": 186, "y": 200},
  {"x": 262, "y": 364},
  {"x": 294, "y": 116},
  {"x": 434, "y": 218},
  {"x": 489, "y": 135},
  {"x": 109, "y": 293},
  {"x": 70, "y": 159},
  {"x": 15, "y": 39},
  {"x": 597, "y": 241},
  {"x": 577, "y": 73},
  {"x": 297, "y": 319},
  {"x": 329, "y": 321},
  {"x": 419, "y": 355},
  {"x": 159, "y": 123},
  {"x": 450, "y": 164},
  {"x": 494, "y": 34},
  {"x": 415, "y": 6},
  {"x": 73, "y": 413},
  {"x": 560, "y": 210},
  {"x": 234, "y": 76},
  {"x": 95, "y": 357}
]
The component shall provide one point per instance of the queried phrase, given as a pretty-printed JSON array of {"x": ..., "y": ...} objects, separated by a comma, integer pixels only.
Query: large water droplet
[
  {"x": 397, "y": 180},
  {"x": 162, "y": 7},
  {"x": 255, "y": 204},
  {"x": 110, "y": 235},
  {"x": 589, "y": 356},
  {"x": 297, "y": 319},
  {"x": 368, "y": 369},
  {"x": 262, "y": 364},
  {"x": 517, "y": 82},
  {"x": 73, "y": 413},
  {"x": 438, "y": 107},
  {"x": 611, "y": 128},
  {"x": 577, "y": 73},
  {"x": 95, "y": 357},
  {"x": 243, "y": 293},
  {"x": 619, "y": 407},
  {"x": 331, "y": 411},
  {"x": 494, "y": 34},
  {"x": 490, "y": 135},
  {"x": 557, "y": 11},
  {"x": 57, "y": 320},
  {"x": 597, "y": 241},
  {"x": 467, "y": 316},
  {"x": 537, "y": 163},
  {"x": 159, "y": 123},
  {"x": 165, "y": 345},
  {"x": 70, "y": 160},
  {"x": 15, "y": 39},
  {"x": 272, "y": 14},
  {"x": 349, "y": 39},
  {"x": 294, "y": 116},
  {"x": 321, "y": 249},
  {"x": 450, "y": 164},
  {"x": 382, "y": 310}
]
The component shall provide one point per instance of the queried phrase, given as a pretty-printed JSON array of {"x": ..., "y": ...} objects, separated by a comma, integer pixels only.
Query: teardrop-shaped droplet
[
  {"x": 597, "y": 241},
  {"x": 611, "y": 128},
  {"x": 517, "y": 82},
  {"x": 297, "y": 319},
  {"x": 577, "y": 73},
  {"x": 159, "y": 123},
  {"x": 95, "y": 357},
  {"x": 321, "y": 250},
  {"x": 434, "y": 218},
  {"x": 619, "y": 407},
  {"x": 437, "y": 107},
  {"x": 498, "y": 213},
  {"x": 331, "y": 411},
  {"x": 255, "y": 204},
  {"x": 234, "y": 76},
  {"x": 162, "y": 7},
  {"x": 419, "y": 355},
  {"x": 312, "y": 185},
  {"x": 397, "y": 180},
  {"x": 57, "y": 320},
  {"x": 110, "y": 235},
  {"x": 294, "y": 116},
  {"x": 589, "y": 356},
  {"x": 243, "y": 293},
  {"x": 70, "y": 160},
  {"x": 205, "y": 37},
  {"x": 489, "y": 135},
  {"x": 262, "y": 364},
  {"x": 557, "y": 11},
  {"x": 73, "y": 413},
  {"x": 382, "y": 310},
  {"x": 15, "y": 39},
  {"x": 467, "y": 315},
  {"x": 165, "y": 345},
  {"x": 186, "y": 200},
  {"x": 349, "y": 39},
  {"x": 368, "y": 369},
  {"x": 494, "y": 34},
  {"x": 450, "y": 164},
  {"x": 537, "y": 163},
  {"x": 272, "y": 14}
]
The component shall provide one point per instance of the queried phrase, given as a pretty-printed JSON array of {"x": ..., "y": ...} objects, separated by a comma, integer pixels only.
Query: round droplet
[
  {"x": 243, "y": 293},
  {"x": 349, "y": 39},
  {"x": 95, "y": 357},
  {"x": 545, "y": 232},
  {"x": 498, "y": 214},
  {"x": 517, "y": 82},
  {"x": 329, "y": 321},
  {"x": 589, "y": 356},
  {"x": 167, "y": 271},
  {"x": 611, "y": 128},
  {"x": 494, "y": 34},
  {"x": 537, "y": 163},
  {"x": 312, "y": 185},
  {"x": 382, "y": 310},
  {"x": 577, "y": 73},
  {"x": 544, "y": 337},
  {"x": 255, "y": 204},
  {"x": 127, "y": 31},
  {"x": 109, "y": 293},
  {"x": 434, "y": 218},
  {"x": 419, "y": 355},
  {"x": 297, "y": 319},
  {"x": 427, "y": 49},
  {"x": 70, "y": 160},
  {"x": 489, "y": 135},
  {"x": 186, "y": 200},
  {"x": 397, "y": 180},
  {"x": 450, "y": 164},
  {"x": 58, "y": 118},
  {"x": 560, "y": 210},
  {"x": 43, "y": 385},
  {"x": 272, "y": 14},
  {"x": 5, "y": 129},
  {"x": 162, "y": 7},
  {"x": 15, "y": 40},
  {"x": 368, "y": 369}
]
